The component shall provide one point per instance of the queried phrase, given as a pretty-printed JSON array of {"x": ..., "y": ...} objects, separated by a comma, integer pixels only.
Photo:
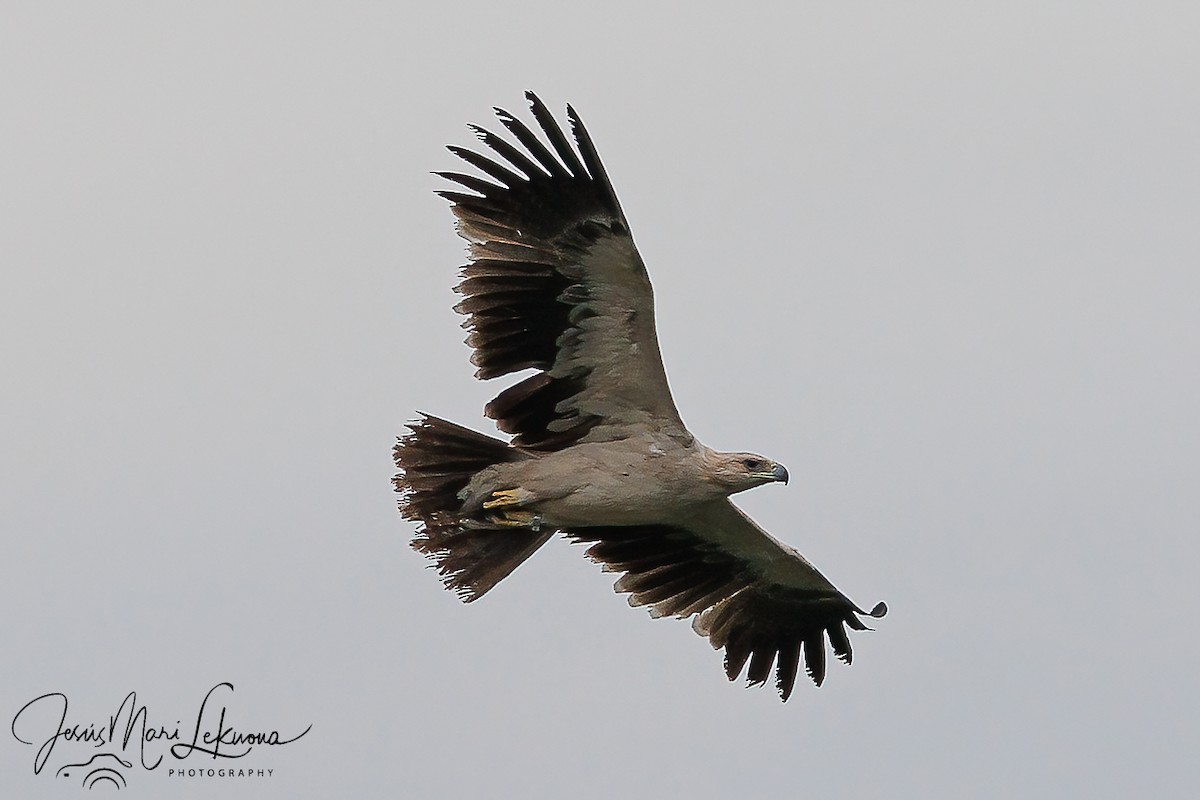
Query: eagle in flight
[{"x": 598, "y": 451}]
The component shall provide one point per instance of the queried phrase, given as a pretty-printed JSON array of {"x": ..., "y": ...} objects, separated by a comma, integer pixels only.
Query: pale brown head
[{"x": 737, "y": 472}]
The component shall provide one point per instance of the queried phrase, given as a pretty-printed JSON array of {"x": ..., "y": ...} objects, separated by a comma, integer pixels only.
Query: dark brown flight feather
[
  {"x": 528, "y": 290},
  {"x": 675, "y": 572}
]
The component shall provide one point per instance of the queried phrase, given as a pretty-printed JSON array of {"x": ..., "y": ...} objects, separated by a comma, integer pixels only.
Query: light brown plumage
[{"x": 598, "y": 450}]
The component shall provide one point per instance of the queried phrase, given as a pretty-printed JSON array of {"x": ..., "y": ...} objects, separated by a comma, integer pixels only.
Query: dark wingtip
[
  {"x": 535, "y": 102},
  {"x": 880, "y": 610}
]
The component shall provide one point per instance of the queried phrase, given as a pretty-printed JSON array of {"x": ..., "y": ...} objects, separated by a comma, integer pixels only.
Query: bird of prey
[{"x": 598, "y": 451}]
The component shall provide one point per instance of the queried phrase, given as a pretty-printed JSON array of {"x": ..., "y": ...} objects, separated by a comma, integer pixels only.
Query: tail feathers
[
  {"x": 437, "y": 459},
  {"x": 472, "y": 561}
]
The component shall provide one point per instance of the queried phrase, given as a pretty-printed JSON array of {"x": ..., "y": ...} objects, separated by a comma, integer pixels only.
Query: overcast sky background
[{"x": 940, "y": 259}]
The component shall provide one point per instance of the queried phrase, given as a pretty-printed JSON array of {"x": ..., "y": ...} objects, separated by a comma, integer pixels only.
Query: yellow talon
[
  {"x": 517, "y": 519},
  {"x": 502, "y": 498},
  {"x": 510, "y": 517}
]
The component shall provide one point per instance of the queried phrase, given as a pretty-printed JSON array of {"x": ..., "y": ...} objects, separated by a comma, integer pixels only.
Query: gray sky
[{"x": 940, "y": 259}]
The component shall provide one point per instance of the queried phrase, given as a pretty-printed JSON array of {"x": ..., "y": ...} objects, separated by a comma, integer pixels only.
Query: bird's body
[
  {"x": 598, "y": 449},
  {"x": 639, "y": 480}
]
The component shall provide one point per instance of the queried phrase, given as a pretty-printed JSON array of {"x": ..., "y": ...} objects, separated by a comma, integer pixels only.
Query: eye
[{"x": 752, "y": 463}]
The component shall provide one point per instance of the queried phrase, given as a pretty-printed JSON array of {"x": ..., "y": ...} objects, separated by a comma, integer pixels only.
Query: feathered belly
[{"x": 630, "y": 497}]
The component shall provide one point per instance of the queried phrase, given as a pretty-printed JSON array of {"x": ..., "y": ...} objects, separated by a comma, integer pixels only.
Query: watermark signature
[{"x": 130, "y": 735}]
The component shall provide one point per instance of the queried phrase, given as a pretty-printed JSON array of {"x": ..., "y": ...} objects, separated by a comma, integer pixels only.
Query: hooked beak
[{"x": 780, "y": 474}]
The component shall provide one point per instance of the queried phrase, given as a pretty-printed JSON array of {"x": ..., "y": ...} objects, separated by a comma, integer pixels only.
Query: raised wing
[
  {"x": 555, "y": 283},
  {"x": 752, "y": 595}
]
